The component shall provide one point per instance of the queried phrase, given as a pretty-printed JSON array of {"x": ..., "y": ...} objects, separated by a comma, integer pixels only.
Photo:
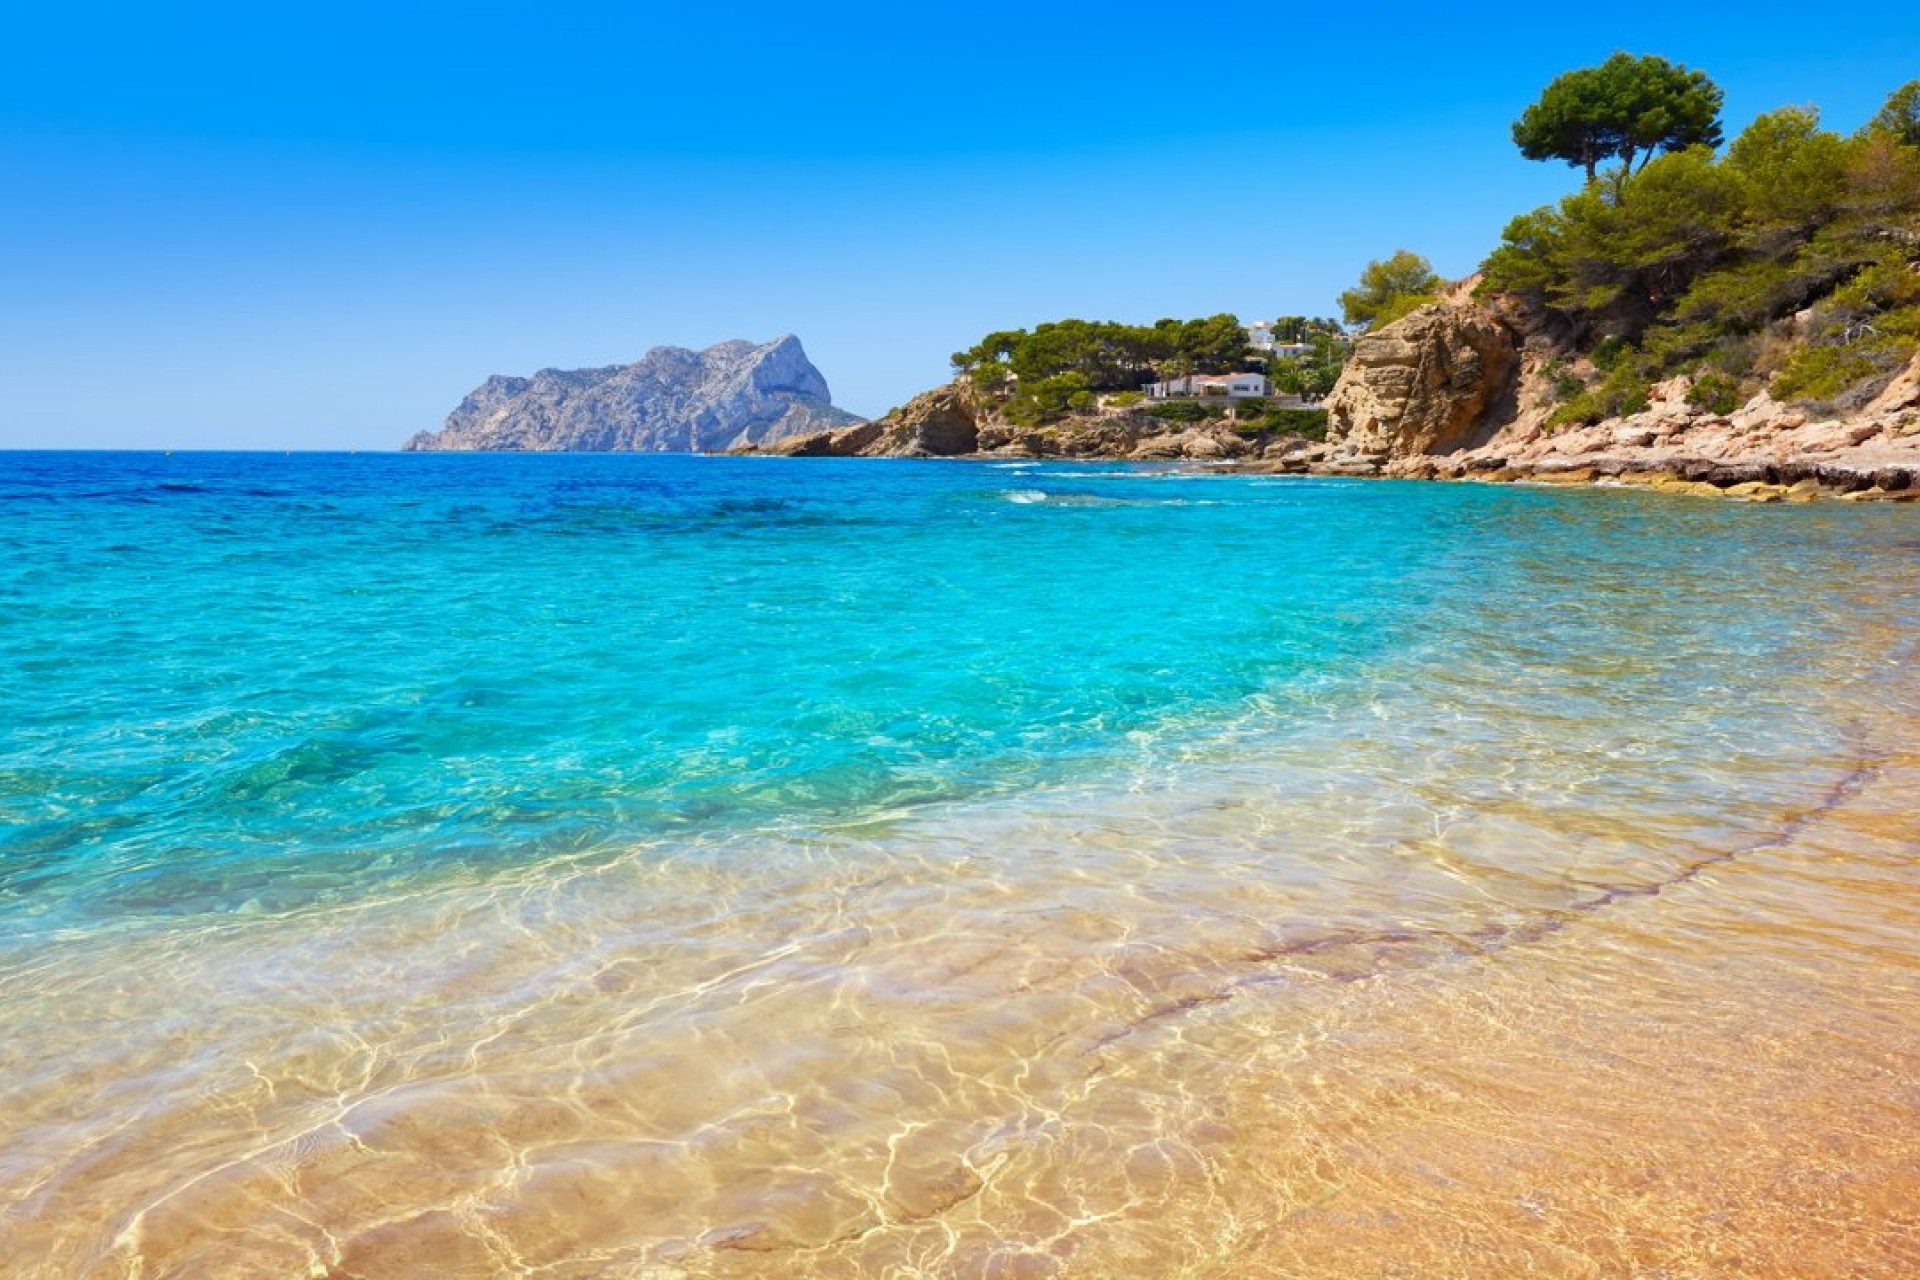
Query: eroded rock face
[
  {"x": 671, "y": 400},
  {"x": 842, "y": 442},
  {"x": 1902, "y": 394},
  {"x": 941, "y": 423},
  {"x": 1433, "y": 382}
]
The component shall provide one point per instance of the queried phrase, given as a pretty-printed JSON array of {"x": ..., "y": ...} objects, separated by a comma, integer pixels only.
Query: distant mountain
[{"x": 670, "y": 401}]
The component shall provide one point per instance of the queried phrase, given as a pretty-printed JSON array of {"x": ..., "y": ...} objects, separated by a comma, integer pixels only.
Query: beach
[{"x": 735, "y": 867}]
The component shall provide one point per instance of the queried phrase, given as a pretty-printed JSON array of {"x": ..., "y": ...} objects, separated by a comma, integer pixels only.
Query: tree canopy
[
  {"x": 1303, "y": 328},
  {"x": 1060, "y": 365},
  {"x": 1900, "y": 117},
  {"x": 1793, "y": 262},
  {"x": 1626, "y": 107},
  {"x": 1389, "y": 288},
  {"x": 1311, "y": 374},
  {"x": 1109, "y": 356}
]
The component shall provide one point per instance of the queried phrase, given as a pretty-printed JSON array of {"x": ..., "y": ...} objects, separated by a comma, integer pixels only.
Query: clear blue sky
[{"x": 317, "y": 227}]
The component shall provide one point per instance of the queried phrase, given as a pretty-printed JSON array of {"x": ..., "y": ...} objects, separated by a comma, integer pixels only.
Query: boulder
[
  {"x": 1902, "y": 393},
  {"x": 940, "y": 423},
  {"x": 1432, "y": 382},
  {"x": 846, "y": 442}
]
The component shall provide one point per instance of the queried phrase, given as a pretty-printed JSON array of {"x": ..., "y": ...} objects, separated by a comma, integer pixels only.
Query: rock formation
[
  {"x": 671, "y": 400},
  {"x": 1763, "y": 443},
  {"x": 956, "y": 420},
  {"x": 1456, "y": 390},
  {"x": 1432, "y": 382},
  {"x": 940, "y": 423}
]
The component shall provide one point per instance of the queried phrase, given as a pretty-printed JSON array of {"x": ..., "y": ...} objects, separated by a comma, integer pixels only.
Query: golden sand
[{"x": 1134, "y": 1051}]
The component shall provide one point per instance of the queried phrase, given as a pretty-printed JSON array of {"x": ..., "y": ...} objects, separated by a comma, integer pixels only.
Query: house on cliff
[{"x": 1235, "y": 386}]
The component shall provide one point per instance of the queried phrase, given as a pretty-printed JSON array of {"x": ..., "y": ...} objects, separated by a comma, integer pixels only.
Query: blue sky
[{"x": 260, "y": 227}]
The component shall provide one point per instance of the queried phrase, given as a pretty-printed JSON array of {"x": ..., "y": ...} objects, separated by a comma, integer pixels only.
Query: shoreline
[
  {"x": 1406, "y": 888},
  {"x": 1854, "y": 477},
  {"x": 1452, "y": 391}
]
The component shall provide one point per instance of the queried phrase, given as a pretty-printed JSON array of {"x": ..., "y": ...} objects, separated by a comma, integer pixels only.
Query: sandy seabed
[{"x": 1023, "y": 1040}]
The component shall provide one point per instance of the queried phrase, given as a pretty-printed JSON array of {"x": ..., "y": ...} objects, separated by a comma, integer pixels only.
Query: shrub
[
  {"x": 1714, "y": 392},
  {"x": 1047, "y": 399},
  {"x": 1607, "y": 353},
  {"x": 1186, "y": 410},
  {"x": 1125, "y": 399},
  {"x": 1311, "y": 423},
  {"x": 1582, "y": 408},
  {"x": 1625, "y": 390},
  {"x": 1562, "y": 383},
  {"x": 1821, "y": 373}
]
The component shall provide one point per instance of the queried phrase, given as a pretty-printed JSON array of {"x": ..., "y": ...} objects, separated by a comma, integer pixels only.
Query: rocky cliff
[
  {"x": 671, "y": 400},
  {"x": 1436, "y": 381},
  {"x": 1457, "y": 391}
]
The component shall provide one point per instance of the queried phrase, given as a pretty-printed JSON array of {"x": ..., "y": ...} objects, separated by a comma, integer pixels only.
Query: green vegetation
[
  {"x": 1187, "y": 410},
  {"x": 1311, "y": 375},
  {"x": 1389, "y": 288},
  {"x": 1109, "y": 356},
  {"x": 1059, "y": 367},
  {"x": 1900, "y": 118},
  {"x": 1311, "y": 423},
  {"x": 1303, "y": 328},
  {"x": 1715, "y": 392},
  {"x": 1791, "y": 262},
  {"x": 1623, "y": 108},
  {"x": 1252, "y": 417}
]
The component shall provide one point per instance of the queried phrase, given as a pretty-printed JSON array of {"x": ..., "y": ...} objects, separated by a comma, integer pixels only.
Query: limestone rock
[
  {"x": 1902, "y": 393},
  {"x": 845, "y": 442},
  {"x": 939, "y": 423},
  {"x": 1199, "y": 444},
  {"x": 671, "y": 400},
  {"x": 1432, "y": 382}
]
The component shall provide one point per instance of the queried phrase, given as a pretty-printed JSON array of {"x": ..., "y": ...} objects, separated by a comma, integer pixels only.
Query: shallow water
[{"x": 664, "y": 867}]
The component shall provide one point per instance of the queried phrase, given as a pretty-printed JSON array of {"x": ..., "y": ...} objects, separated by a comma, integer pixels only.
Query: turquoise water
[
  {"x": 237, "y": 680},
  {"x": 670, "y": 866},
  {"x": 234, "y": 681}
]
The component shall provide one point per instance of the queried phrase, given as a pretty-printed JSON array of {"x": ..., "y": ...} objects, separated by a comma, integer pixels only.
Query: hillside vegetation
[
  {"x": 1790, "y": 263},
  {"x": 1065, "y": 367}
]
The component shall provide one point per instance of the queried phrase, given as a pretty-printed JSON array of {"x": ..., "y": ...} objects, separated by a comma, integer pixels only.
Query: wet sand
[{"x": 1022, "y": 1041}]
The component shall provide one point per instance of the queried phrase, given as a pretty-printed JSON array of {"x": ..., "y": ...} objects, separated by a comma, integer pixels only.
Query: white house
[{"x": 1236, "y": 386}]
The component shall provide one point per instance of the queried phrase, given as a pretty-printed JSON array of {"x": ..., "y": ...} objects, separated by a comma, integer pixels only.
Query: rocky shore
[
  {"x": 1455, "y": 391},
  {"x": 958, "y": 421}
]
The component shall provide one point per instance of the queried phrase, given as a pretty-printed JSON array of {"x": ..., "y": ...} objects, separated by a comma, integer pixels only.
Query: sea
[{"x": 664, "y": 867}]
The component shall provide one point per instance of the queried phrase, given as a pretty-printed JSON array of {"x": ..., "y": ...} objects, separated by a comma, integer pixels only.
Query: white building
[{"x": 1235, "y": 386}]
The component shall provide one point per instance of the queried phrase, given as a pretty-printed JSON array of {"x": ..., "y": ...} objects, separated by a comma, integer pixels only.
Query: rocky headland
[
  {"x": 958, "y": 420},
  {"x": 1456, "y": 390},
  {"x": 1462, "y": 390},
  {"x": 734, "y": 394}
]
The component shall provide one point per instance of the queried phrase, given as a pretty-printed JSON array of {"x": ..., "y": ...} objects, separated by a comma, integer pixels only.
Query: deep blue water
[{"x": 269, "y": 681}]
